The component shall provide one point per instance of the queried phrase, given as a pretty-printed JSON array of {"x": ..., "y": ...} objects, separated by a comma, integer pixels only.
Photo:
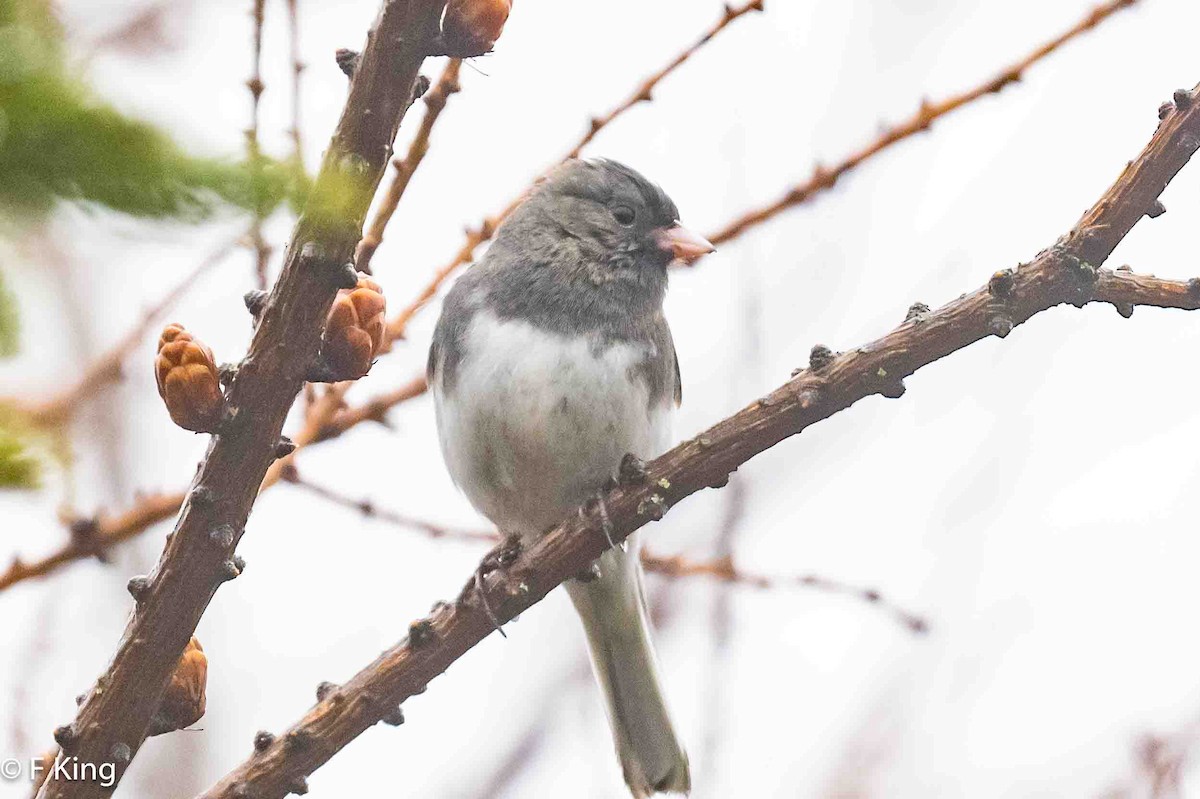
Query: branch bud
[
  {"x": 187, "y": 380},
  {"x": 183, "y": 703},
  {"x": 471, "y": 27},
  {"x": 354, "y": 331}
]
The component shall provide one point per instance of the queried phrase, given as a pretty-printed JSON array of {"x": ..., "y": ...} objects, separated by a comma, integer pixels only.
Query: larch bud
[
  {"x": 183, "y": 703},
  {"x": 354, "y": 330},
  {"x": 471, "y": 27},
  {"x": 187, "y": 380}
]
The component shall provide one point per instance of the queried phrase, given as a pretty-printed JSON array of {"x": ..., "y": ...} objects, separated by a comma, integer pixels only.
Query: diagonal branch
[
  {"x": 298, "y": 68},
  {"x": 675, "y": 567},
  {"x": 435, "y": 102},
  {"x": 476, "y": 236},
  {"x": 372, "y": 511},
  {"x": 199, "y": 555},
  {"x": 327, "y": 419},
  {"x": 262, "y": 250},
  {"x": 922, "y": 119},
  {"x": 726, "y": 571},
  {"x": 107, "y": 368},
  {"x": 515, "y": 579},
  {"x": 821, "y": 179}
]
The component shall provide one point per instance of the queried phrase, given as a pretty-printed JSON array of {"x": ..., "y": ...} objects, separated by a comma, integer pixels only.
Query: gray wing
[
  {"x": 660, "y": 369},
  {"x": 678, "y": 378},
  {"x": 446, "y": 348}
]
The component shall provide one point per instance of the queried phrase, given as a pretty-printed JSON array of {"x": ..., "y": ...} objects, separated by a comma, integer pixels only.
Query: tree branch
[
  {"x": 262, "y": 250},
  {"x": 675, "y": 567},
  {"x": 91, "y": 538},
  {"x": 724, "y": 570},
  {"x": 922, "y": 119},
  {"x": 107, "y": 368},
  {"x": 372, "y": 511},
  {"x": 199, "y": 555},
  {"x": 821, "y": 179},
  {"x": 435, "y": 102},
  {"x": 374, "y": 409},
  {"x": 475, "y": 236},
  {"x": 514, "y": 579},
  {"x": 297, "y": 73},
  {"x": 327, "y": 419}
]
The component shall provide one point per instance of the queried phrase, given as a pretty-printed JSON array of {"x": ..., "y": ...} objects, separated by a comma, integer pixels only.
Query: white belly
[{"x": 537, "y": 423}]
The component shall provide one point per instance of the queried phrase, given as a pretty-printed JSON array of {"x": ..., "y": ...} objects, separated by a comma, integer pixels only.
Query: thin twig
[
  {"x": 106, "y": 369},
  {"x": 676, "y": 566},
  {"x": 262, "y": 250},
  {"x": 723, "y": 569},
  {"x": 92, "y": 537},
  {"x": 297, "y": 72},
  {"x": 200, "y": 553},
  {"x": 372, "y": 511},
  {"x": 474, "y": 236},
  {"x": 1068, "y": 272},
  {"x": 326, "y": 418},
  {"x": 404, "y": 168},
  {"x": 922, "y": 119},
  {"x": 821, "y": 179},
  {"x": 374, "y": 409}
]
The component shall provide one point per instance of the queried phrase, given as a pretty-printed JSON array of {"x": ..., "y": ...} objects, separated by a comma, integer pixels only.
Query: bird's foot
[
  {"x": 480, "y": 572},
  {"x": 605, "y": 522},
  {"x": 499, "y": 558}
]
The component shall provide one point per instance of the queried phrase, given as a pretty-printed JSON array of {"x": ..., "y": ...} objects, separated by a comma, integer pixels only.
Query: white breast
[{"x": 536, "y": 423}]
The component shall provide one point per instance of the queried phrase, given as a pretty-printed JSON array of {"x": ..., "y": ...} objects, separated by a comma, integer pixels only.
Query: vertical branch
[
  {"x": 262, "y": 251},
  {"x": 106, "y": 368},
  {"x": 921, "y": 120},
  {"x": 642, "y": 93},
  {"x": 520, "y": 576},
  {"x": 200, "y": 553},
  {"x": 297, "y": 72},
  {"x": 435, "y": 102}
]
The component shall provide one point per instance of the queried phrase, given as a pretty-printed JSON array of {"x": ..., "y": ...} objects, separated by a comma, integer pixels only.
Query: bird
[{"x": 551, "y": 361}]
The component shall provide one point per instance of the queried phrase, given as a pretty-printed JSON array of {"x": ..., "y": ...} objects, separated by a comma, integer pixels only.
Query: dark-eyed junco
[{"x": 550, "y": 362}]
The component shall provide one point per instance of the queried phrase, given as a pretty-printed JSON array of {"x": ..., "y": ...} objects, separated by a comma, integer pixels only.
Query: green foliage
[
  {"x": 19, "y": 467},
  {"x": 8, "y": 321},
  {"x": 59, "y": 142}
]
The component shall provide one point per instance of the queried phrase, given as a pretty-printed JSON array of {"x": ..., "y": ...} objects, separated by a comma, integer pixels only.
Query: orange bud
[
  {"x": 354, "y": 330},
  {"x": 471, "y": 27},
  {"x": 187, "y": 380},
  {"x": 183, "y": 703}
]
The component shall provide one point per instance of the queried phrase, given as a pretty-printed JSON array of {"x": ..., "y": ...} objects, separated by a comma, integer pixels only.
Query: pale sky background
[{"x": 1033, "y": 498}]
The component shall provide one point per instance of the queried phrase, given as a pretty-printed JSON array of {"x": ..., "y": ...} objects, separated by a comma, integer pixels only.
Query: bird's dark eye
[{"x": 623, "y": 214}]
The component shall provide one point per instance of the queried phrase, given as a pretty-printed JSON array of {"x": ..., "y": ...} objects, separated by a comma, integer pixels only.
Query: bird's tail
[{"x": 613, "y": 609}]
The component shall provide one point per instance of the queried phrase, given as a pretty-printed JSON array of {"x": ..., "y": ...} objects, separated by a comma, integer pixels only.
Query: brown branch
[
  {"x": 514, "y": 579},
  {"x": 435, "y": 103},
  {"x": 297, "y": 73},
  {"x": 676, "y": 566},
  {"x": 326, "y": 419},
  {"x": 821, "y": 179},
  {"x": 475, "y": 236},
  {"x": 372, "y": 511},
  {"x": 93, "y": 537},
  {"x": 106, "y": 369},
  {"x": 262, "y": 251},
  {"x": 199, "y": 555},
  {"x": 922, "y": 119},
  {"x": 643, "y": 93},
  {"x": 723, "y": 569},
  {"x": 373, "y": 410}
]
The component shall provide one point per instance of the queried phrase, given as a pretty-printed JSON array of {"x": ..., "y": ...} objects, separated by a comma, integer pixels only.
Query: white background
[{"x": 1033, "y": 498}]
